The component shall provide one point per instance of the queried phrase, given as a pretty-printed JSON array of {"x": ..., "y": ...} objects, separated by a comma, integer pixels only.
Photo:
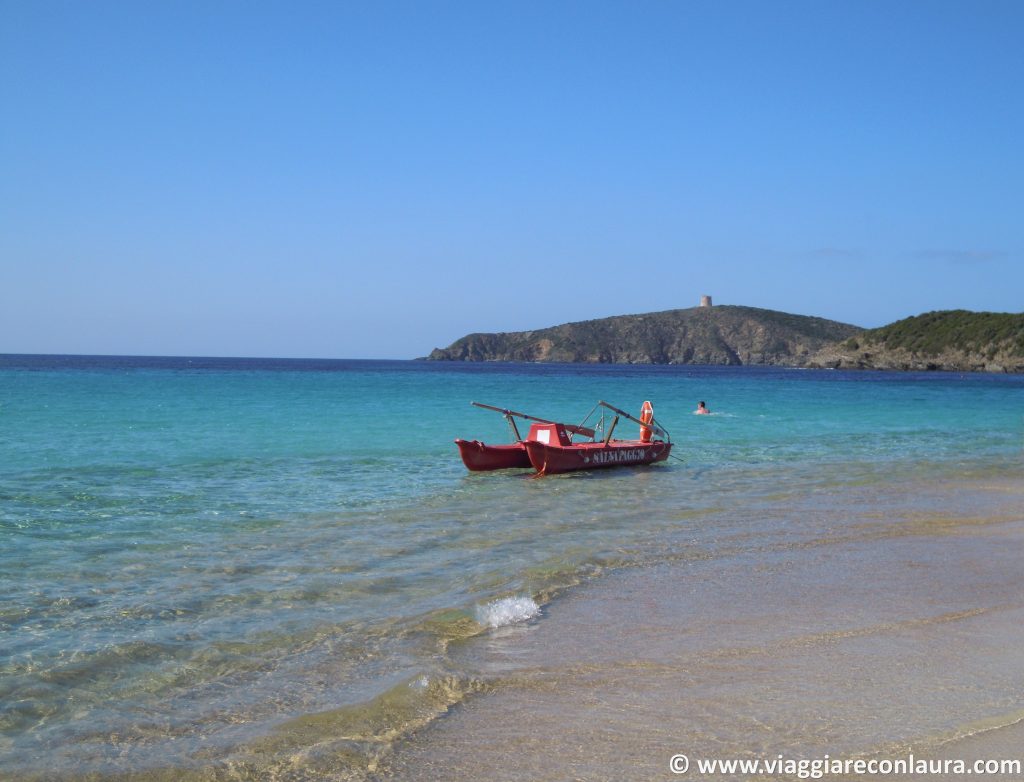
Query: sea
[{"x": 281, "y": 569}]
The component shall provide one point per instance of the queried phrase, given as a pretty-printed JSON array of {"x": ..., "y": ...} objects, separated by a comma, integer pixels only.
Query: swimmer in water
[{"x": 701, "y": 409}]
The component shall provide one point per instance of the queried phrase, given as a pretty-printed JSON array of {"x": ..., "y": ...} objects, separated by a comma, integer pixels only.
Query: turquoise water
[{"x": 197, "y": 553}]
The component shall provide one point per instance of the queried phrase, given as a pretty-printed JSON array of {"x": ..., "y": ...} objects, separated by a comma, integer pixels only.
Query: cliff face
[
  {"x": 951, "y": 340},
  {"x": 715, "y": 335}
]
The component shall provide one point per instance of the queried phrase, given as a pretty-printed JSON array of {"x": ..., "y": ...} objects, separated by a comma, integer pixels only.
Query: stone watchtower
[{"x": 705, "y": 301}]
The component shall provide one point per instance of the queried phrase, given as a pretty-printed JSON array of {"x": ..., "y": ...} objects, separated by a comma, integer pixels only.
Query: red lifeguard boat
[
  {"x": 479, "y": 456},
  {"x": 552, "y": 451},
  {"x": 549, "y": 447}
]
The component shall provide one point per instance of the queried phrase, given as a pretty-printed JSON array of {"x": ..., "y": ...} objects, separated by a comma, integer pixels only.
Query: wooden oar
[
  {"x": 653, "y": 425},
  {"x": 580, "y": 430}
]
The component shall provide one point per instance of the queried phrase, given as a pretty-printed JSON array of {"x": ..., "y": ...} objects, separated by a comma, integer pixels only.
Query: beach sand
[{"x": 883, "y": 621}]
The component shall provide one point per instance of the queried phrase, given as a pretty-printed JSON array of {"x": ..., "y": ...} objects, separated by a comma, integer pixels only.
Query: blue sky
[{"x": 372, "y": 180}]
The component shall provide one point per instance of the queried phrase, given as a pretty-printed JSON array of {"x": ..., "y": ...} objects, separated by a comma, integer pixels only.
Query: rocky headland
[
  {"x": 954, "y": 340},
  {"x": 950, "y": 340},
  {"x": 700, "y": 335}
]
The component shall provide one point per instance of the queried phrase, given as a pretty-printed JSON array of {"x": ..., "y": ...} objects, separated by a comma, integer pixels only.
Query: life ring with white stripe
[{"x": 646, "y": 416}]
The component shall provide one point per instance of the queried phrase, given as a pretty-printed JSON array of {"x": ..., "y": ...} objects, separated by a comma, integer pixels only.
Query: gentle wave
[{"x": 507, "y": 611}]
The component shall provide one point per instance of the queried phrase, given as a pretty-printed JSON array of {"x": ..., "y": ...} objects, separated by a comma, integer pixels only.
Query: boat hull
[
  {"x": 550, "y": 459},
  {"x": 480, "y": 457}
]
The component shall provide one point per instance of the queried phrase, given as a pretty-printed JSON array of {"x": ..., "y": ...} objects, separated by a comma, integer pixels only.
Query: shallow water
[
  {"x": 899, "y": 633},
  {"x": 282, "y": 568}
]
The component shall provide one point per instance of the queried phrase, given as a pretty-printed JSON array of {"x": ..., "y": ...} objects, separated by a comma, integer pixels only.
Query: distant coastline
[{"x": 951, "y": 340}]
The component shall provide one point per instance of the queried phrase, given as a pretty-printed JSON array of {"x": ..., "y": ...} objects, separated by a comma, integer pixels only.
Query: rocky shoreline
[
  {"x": 951, "y": 341},
  {"x": 880, "y": 358}
]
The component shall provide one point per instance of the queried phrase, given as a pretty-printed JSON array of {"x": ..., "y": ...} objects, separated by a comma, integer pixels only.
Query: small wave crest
[{"x": 507, "y": 611}]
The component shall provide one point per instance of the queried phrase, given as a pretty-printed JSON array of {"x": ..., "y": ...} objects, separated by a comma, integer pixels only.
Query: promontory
[
  {"x": 953, "y": 340},
  {"x": 699, "y": 335}
]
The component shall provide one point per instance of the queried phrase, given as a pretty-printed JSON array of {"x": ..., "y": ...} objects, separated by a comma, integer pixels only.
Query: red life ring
[{"x": 646, "y": 416}]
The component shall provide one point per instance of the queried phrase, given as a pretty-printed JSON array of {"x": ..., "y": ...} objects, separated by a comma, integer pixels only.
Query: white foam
[
  {"x": 420, "y": 683},
  {"x": 507, "y": 611}
]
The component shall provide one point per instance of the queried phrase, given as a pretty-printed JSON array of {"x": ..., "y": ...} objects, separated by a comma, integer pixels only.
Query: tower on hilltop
[{"x": 705, "y": 301}]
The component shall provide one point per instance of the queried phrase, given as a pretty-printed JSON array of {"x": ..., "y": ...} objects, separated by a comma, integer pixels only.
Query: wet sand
[{"x": 874, "y": 622}]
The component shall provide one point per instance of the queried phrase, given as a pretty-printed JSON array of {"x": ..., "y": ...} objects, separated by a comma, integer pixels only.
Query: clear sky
[{"x": 376, "y": 179}]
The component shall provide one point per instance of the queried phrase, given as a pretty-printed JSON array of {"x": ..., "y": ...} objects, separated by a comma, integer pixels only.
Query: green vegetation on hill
[
  {"x": 933, "y": 333},
  {"x": 700, "y": 335}
]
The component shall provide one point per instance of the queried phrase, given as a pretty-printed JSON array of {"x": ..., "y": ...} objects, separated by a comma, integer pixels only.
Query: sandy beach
[{"x": 890, "y": 622}]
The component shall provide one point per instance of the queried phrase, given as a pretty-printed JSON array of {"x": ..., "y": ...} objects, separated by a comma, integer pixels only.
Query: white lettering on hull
[{"x": 617, "y": 456}]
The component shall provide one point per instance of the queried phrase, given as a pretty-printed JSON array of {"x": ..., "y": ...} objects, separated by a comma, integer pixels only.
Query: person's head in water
[{"x": 702, "y": 409}]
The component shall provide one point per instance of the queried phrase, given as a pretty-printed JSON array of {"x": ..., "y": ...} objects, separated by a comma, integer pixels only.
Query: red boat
[
  {"x": 478, "y": 456},
  {"x": 549, "y": 448},
  {"x": 552, "y": 451}
]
